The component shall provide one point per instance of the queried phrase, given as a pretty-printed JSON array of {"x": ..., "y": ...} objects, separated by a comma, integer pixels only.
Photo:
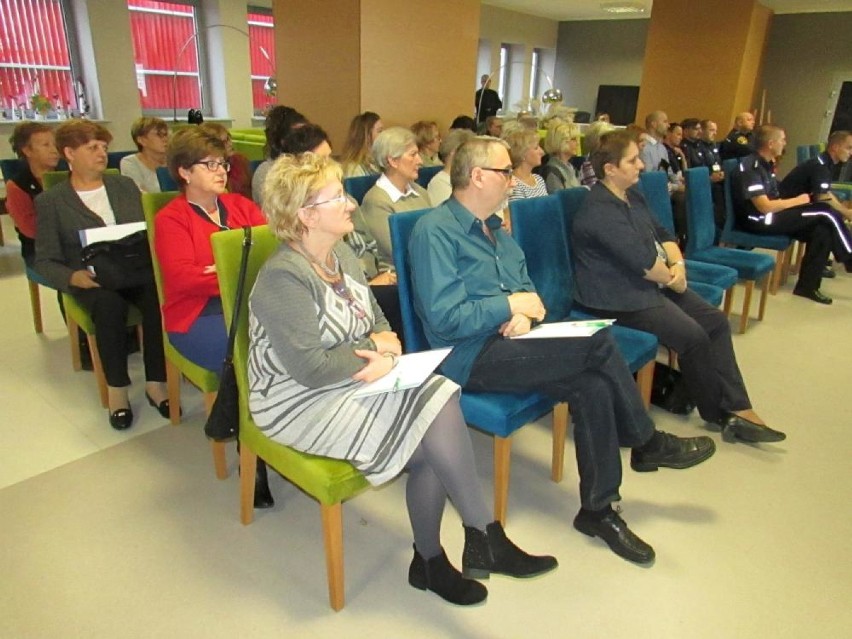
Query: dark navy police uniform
[
  {"x": 816, "y": 224},
  {"x": 812, "y": 177},
  {"x": 738, "y": 144}
]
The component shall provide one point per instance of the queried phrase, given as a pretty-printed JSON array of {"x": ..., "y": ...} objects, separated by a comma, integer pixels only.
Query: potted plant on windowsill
[{"x": 41, "y": 105}]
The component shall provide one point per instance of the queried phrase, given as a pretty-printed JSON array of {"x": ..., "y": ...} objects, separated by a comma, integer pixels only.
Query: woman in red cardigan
[{"x": 192, "y": 308}]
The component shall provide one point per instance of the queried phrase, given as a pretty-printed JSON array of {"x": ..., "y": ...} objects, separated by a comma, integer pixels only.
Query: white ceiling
[{"x": 590, "y": 9}]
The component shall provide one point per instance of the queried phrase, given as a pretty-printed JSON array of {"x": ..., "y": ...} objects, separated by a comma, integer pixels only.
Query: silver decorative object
[{"x": 552, "y": 96}]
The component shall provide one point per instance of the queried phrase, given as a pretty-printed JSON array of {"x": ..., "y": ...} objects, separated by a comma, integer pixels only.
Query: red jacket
[
  {"x": 21, "y": 207},
  {"x": 182, "y": 243}
]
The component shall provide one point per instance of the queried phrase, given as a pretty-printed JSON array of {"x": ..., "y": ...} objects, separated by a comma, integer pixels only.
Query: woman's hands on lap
[
  {"x": 678, "y": 281},
  {"x": 386, "y": 342},
  {"x": 83, "y": 279},
  {"x": 377, "y": 366}
]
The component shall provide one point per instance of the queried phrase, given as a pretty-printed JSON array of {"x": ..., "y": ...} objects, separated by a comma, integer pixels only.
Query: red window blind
[{"x": 262, "y": 52}]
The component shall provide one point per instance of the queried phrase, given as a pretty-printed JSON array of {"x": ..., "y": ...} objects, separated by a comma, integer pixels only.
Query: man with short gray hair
[{"x": 472, "y": 292}]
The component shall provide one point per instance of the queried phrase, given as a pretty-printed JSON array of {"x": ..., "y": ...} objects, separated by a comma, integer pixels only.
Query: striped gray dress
[{"x": 301, "y": 362}]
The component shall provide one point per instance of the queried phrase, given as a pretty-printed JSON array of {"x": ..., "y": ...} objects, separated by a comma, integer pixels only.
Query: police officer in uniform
[
  {"x": 815, "y": 176},
  {"x": 760, "y": 209},
  {"x": 708, "y": 154},
  {"x": 740, "y": 141},
  {"x": 691, "y": 144}
]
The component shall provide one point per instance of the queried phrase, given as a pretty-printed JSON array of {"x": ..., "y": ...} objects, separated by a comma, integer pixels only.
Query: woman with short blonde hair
[
  {"x": 562, "y": 143},
  {"x": 150, "y": 135},
  {"x": 526, "y": 154},
  {"x": 428, "y": 140}
]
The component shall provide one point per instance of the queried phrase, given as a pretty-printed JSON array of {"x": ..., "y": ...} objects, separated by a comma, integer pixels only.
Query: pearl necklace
[{"x": 334, "y": 271}]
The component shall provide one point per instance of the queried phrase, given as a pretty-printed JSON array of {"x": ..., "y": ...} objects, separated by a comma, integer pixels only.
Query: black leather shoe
[
  {"x": 614, "y": 531},
  {"x": 816, "y": 295},
  {"x": 439, "y": 576},
  {"x": 671, "y": 452},
  {"x": 162, "y": 407},
  {"x": 828, "y": 273},
  {"x": 121, "y": 419},
  {"x": 492, "y": 551},
  {"x": 736, "y": 428}
]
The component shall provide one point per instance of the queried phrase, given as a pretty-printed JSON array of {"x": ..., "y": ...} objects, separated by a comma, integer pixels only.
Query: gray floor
[{"x": 108, "y": 534}]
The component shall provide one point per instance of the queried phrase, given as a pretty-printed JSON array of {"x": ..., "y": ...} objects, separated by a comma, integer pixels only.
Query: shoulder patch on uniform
[{"x": 742, "y": 140}]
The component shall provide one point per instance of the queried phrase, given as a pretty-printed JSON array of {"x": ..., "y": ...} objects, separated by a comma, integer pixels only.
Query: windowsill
[{"x": 13, "y": 123}]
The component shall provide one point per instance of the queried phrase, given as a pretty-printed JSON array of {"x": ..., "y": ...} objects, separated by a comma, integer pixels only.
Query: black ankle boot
[
  {"x": 492, "y": 551},
  {"x": 262, "y": 495},
  {"x": 439, "y": 576}
]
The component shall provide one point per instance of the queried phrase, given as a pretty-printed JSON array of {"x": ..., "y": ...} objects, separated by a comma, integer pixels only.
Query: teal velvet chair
[
  {"x": 328, "y": 481},
  {"x": 426, "y": 173},
  {"x": 177, "y": 365},
  {"x": 357, "y": 187}
]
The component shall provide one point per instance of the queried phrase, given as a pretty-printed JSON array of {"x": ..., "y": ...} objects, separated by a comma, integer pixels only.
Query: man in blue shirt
[{"x": 472, "y": 292}]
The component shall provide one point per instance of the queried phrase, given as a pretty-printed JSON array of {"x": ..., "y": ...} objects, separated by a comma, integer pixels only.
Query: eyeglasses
[
  {"x": 340, "y": 289},
  {"x": 507, "y": 173},
  {"x": 212, "y": 165},
  {"x": 343, "y": 198}
]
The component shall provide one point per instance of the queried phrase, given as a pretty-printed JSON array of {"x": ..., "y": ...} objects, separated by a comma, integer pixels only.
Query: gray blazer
[{"x": 61, "y": 214}]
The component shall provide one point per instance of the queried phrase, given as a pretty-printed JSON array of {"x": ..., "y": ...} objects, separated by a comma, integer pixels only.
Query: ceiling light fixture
[{"x": 623, "y": 7}]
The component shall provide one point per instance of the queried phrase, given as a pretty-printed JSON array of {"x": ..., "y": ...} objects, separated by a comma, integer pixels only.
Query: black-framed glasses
[
  {"x": 339, "y": 287},
  {"x": 212, "y": 165},
  {"x": 507, "y": 173}
]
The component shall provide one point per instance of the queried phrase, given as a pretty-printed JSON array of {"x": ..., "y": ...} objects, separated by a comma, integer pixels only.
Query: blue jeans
[
  {"x": 204, "y": 343},
  {"x": 591, "y": 375}
]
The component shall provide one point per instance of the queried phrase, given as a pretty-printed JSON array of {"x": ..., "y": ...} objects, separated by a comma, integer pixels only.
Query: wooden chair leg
[
  {"x": 74, "y": 339},
  {"x": 248, "y": 470},
  {"x": 502, "y": 457},
  {"x": 761, "y": 311},
  {"x": 173, "y": 389},
  {"x": 729, "y": 301},
  {"x": 645, "y": 380},
  {"x": 749, "y": 288},
  {"x": 220, "y": 461},
  {"x": 35, "y": 303},
  {"x": 332, "y": 532},
  {"x": 788, "y": 257},
  {"x": 98, "y": 369},
  {"x": 776, "y": 272},
  {"x": 209, "y": 400},
  {"x": 800, "y": 254},
  {"x": 560, "y": 429}
]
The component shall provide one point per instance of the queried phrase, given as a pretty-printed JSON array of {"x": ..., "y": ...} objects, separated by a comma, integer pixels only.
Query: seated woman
[
  {"x": 192, "y": 308},
  {"x": 356, "y": 157},
  {"x": 151, "y": 136},
  {"x": 630, "y": 268},
  {"x": 35, "y": 147},
  {"x": 562, "y": 143},
  {"x": 428, "y": 140},
  {"x": 90, "y": 199},
  {"x": 526, "y": 154},
  {"x": 395, "y": 151},
  {"x": 280, "y": 122},
  {"x": 317, "y": 335},
  {"x": 239, "y": 173},
  {"x": 439, "y": 188}
]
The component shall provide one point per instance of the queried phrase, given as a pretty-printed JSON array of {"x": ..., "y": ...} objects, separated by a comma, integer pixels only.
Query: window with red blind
[
  {"x": 34, "y": 54},
  {"x": 166, "y": 55},
  {"x": 262, "y": 52}
]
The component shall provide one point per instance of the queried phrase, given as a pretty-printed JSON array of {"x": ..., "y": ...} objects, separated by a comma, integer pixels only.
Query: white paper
[
  {"x": 411, "y": 370},
  {"x": 109, "y": 233},
  {"x": 580, "y": 328}
]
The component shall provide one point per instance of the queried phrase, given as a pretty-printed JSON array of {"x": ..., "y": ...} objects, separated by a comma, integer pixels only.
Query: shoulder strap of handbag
[{"x": 238, "y": 301}]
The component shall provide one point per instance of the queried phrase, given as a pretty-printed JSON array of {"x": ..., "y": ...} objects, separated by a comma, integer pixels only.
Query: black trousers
[
  {"x": 109, "y": 313},
  {"x": 591, "y": 375},
  {"x": 823, "y": 231},
  {"x": 701, "y": 336}
]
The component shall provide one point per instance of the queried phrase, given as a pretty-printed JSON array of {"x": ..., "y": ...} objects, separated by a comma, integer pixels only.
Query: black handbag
[
  {"x": 122, "y": 263},
  {"x": 668, "y": 391},
  {"x": 223, "y": 423}
]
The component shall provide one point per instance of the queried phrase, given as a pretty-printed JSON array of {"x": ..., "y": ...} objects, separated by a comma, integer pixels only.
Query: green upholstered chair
[
  {"x": 52, "y": 178},
  {"x": 77, "y": 316},
  {"x": 206, "y": 381},
  {"x": 329, "y": 481}
]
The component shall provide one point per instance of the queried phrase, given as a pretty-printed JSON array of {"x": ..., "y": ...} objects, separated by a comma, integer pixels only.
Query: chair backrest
[
  {"x": 167, "y": 182},
  {"x": 538, "y": 226},
  {"x": 655, "y": 187},
  {"x": 803, "y": 153},
  {"x": 357, "y": 187},
  {"x": 729, "y": 166},
  {"x": 401, "y": 226},
  {"x": 114, "y": 158},
  {"x": 52, "y": 178},
  {"x": 426, "y": 173},
  {"x": 227, "y": 252},
  {"x": 700, "y": 225},
  {"x": 571, "y": 200},
  {"x": 151, "y": 205},
  {"x": 10, "y": 168}
]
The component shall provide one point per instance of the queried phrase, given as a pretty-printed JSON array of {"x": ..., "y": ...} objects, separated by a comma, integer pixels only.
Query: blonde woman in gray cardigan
[{"x": 395, "y": 151}]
